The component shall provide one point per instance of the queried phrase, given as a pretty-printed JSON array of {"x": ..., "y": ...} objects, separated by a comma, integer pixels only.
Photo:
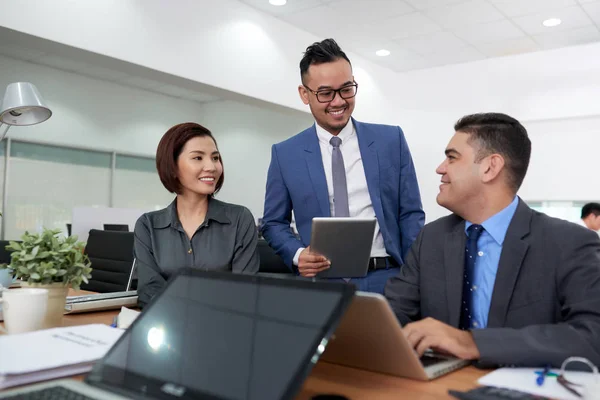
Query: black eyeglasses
[{"x": 327, "y": 95}]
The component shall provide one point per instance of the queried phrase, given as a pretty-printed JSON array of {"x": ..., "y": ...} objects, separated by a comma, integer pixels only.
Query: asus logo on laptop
[{"x": 173, "y": 390}]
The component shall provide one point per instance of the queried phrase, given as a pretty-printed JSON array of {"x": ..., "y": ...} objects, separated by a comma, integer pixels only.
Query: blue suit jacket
[{"x": 296, "y": 181}]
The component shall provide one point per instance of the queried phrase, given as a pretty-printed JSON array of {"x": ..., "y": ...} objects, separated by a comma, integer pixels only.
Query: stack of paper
[
  {"x": 126, "y": 317},
  {"x": 524, "y": 380},
  {"x": 52, "y": 353}
]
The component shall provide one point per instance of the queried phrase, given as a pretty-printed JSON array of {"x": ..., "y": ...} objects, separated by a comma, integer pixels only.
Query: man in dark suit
[
  {"x": 365, "y": 168},
  {"x": 496, "y": 281}
]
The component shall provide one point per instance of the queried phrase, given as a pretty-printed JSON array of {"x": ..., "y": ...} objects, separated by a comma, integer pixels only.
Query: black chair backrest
[
  {"x": 270, "y": 262},
  {"x": 5, "y": 254},
  {"x": 68, "y": 229},
  {"x": 111, "y": 254},
  {"x": 116, "y": 227}
]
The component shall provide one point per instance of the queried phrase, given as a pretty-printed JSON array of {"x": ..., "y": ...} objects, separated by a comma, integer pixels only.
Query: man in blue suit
[{"x": 367, "y": 168}]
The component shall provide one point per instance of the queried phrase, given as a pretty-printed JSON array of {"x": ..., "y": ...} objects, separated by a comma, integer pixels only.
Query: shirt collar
[
  {"x": 497, "y": 224},
  {"x": 168, "y": 216},
  {"x": 345, "y": 134}
]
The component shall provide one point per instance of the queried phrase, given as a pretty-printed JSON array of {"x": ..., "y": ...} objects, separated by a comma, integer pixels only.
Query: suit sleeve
[
  {"x": 245, "y": 258},
  {"x": 277, "y": 214},
  {"x": 578, "y": 291},
  {"x": 411, "y": 215},
  {"x": 402, "y": 291},
  {"x": 150, "y": 279}
]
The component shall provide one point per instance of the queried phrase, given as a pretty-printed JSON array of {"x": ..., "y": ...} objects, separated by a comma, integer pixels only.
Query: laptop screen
[{"x": 225, "y": 336}]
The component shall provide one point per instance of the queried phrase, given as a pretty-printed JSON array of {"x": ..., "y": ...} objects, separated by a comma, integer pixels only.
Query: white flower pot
[{"x": 57, "y": 297}]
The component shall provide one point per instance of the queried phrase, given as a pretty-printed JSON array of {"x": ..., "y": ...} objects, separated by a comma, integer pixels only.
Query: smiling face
[
  {"x": 199, "y": 166},
  {"x": 334, "y": 115},
  {"x": 461, "y": 175}
]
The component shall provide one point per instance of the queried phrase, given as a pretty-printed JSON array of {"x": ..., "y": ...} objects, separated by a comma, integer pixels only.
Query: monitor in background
[{"x": 116, "y": 227}]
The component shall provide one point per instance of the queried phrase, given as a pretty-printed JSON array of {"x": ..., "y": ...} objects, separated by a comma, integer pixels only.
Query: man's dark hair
[
  {"x": 590, "y": 208},
  {"x": 496, "y": 133},
  {"x": 319, "y": 53}
]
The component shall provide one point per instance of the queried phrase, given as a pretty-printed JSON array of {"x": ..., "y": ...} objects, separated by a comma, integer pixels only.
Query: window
[
  {"x": 46, "y": 182},
  {"x": 137, "y": 185},
  {"x": 567, "y": 210}
]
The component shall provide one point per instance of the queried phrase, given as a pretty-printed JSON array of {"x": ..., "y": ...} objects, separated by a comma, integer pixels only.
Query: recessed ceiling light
[
  {"x": 550, "y": 22},
  {"x": 278, "y": 2},
  {"x": 382, "y": 53}
]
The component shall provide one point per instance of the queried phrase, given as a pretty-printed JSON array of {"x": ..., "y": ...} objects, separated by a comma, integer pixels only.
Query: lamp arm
[{"x": 3, "y": 130}]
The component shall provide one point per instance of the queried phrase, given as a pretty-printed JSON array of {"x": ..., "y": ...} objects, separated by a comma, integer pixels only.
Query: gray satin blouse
[{"x": 226, "y": 241}]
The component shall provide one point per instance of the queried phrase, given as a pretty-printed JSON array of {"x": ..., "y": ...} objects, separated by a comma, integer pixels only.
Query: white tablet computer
[{"x": 346, "y": 242}]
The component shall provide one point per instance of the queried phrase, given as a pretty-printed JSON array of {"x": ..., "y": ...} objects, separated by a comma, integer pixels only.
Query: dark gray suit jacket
[{"x": 546, "y": 300}]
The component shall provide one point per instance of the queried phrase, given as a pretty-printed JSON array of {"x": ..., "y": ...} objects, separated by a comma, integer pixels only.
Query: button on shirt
[
  {"x": 225, "y": 241},
  {"x": 489, "y": 248}
]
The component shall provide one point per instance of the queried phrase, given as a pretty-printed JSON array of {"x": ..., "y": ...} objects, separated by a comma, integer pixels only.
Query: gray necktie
[{"x": 340, "y": 189}]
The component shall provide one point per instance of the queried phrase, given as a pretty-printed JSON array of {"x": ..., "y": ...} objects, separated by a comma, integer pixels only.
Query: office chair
[
  {"x": 116, "y": 227},
  {"x": 270, "y": 262},
  {"x": 111, "y": 255},
  {"x": 5, "y": 254}
]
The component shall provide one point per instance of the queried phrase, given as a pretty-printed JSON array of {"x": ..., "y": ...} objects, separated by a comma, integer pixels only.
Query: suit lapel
[
  {"x": 454, "y": 259},
  {"x": 368, "y": 153},
  {"x": 513, "y": 253},
  {"x": 314, "y": 163}
]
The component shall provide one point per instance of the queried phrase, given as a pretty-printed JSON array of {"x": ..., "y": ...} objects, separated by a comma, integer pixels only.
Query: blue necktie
[
  {"x": 473, "y": 233},
  {"x": 340, "y": 189}
]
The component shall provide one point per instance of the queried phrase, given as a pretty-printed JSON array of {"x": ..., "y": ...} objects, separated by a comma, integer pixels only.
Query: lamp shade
[{"x": 23, "y": 105}]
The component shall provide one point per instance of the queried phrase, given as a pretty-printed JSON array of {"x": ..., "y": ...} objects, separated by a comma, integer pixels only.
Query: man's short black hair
[
  {"x": 496, "y": 133},
  {"x": 321, "y": 52},
  {"x": 590, "y": 208}
]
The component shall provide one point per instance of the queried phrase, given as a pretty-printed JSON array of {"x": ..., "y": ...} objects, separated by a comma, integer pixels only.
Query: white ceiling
[
  {"x": 39, "y": 51},
  {"x": 430, "y": 33}
]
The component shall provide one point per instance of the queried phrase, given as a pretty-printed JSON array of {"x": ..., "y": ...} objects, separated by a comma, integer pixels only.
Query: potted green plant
[{"x": 51, "y": 261}]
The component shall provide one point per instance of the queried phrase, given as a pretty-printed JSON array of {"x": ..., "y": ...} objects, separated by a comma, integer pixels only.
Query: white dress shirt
[{"x": 359, "y": 200}]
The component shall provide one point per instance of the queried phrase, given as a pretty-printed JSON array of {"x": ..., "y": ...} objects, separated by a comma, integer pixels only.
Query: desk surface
[{"x": 353, "y": 383}]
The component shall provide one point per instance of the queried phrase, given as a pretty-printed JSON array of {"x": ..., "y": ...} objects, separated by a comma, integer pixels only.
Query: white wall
[
  {"x": 106, "y": 116},
  {"x": 559, "y": 83},
  {"x": 564, "y": 160},
  {"x": 553, "y": 93},
  {"x": 96, "y": 114},
  {"x": 225, "y": 43},
  {"x": 245, "y": 135}
]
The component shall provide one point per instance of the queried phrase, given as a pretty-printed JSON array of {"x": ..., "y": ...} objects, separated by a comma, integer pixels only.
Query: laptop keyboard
[{"x": 51, "y": 393}]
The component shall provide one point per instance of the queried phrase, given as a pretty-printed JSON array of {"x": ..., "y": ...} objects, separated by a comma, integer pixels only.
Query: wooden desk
[{"x": 353, "y": 383}]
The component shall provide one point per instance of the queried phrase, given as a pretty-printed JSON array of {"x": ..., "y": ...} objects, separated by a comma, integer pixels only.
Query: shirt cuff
[{"x": 297, "y": 256}]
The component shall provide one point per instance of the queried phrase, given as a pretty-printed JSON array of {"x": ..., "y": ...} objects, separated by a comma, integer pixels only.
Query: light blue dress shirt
[{"x": 489, "y": 248}]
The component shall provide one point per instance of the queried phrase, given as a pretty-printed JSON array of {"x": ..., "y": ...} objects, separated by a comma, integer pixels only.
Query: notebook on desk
[{"x": 215, "y": 335}]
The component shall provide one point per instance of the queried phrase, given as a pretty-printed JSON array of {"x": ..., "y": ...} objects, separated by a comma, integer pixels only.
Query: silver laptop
[
  {"x": 372, "y": 332},
  {"x": 346, "y": 242},
  {"x": 104, "y": 301},
  {"x": 215, "y": 335}
]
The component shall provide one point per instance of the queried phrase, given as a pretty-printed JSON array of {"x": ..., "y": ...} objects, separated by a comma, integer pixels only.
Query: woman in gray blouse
[{"x": 196, "y": 230}]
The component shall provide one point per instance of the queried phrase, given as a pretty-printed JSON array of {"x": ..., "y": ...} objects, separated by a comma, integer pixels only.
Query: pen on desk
[
  {"x": 115, "y": 321},
  {"x": 541, "y": 375}
]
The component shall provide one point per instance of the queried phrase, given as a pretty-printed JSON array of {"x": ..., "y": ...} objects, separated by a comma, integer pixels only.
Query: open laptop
[
  {"x": 216, "y": 335},
  {"x": 346, "y": 242},
  {"x": 372, "y": 332},
  {"x": 104, "y": 301}
]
